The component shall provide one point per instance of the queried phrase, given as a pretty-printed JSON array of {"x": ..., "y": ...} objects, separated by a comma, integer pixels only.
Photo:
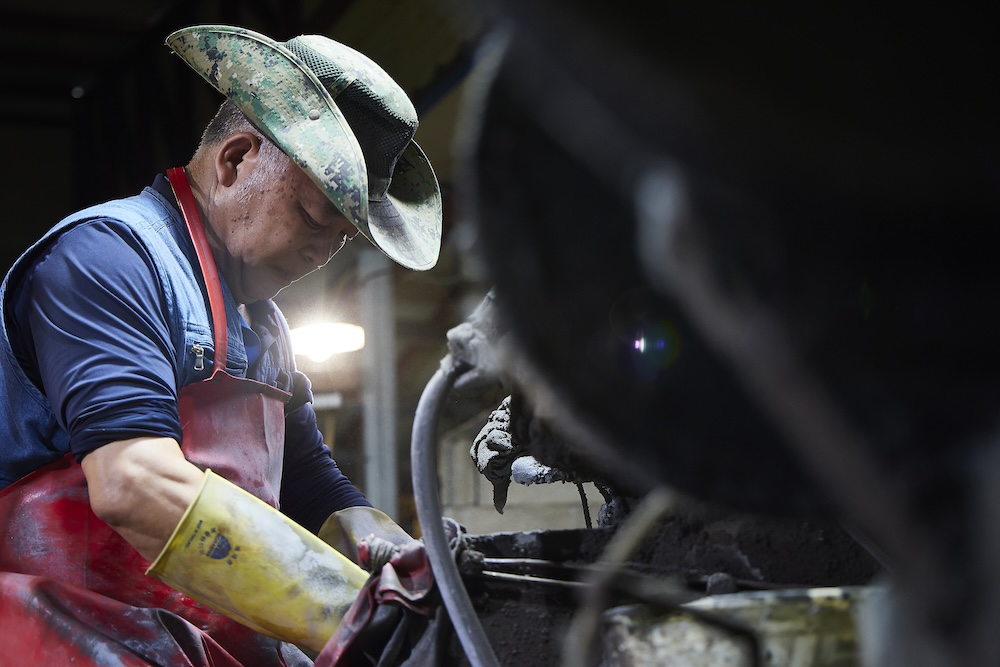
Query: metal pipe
[
  {"x": 524, "y": 579},
  {"x": 423, "y": 455},
  {"x": 379, "y": 396}
]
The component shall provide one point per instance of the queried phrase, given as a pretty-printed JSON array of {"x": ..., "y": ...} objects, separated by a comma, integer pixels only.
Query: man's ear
[{"x": 238, "y": 152}]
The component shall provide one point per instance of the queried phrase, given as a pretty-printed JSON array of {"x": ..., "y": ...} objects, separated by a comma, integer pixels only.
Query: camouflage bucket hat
[{"x": 341, "y": 118}]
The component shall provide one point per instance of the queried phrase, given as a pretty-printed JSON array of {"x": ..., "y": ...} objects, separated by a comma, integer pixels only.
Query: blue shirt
[{"x": 89, "y": 326}]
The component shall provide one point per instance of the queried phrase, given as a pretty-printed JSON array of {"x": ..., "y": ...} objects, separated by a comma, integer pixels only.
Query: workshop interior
[{"x": 707, "y": 372}]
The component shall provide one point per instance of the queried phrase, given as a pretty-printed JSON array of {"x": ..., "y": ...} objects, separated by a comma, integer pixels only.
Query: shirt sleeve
[
  {"x": 97, "y": 339},
  {"x": 313, "y": 486}
]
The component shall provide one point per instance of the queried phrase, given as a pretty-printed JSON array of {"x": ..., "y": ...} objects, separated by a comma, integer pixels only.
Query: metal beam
[{"x": 375, "y": 276}]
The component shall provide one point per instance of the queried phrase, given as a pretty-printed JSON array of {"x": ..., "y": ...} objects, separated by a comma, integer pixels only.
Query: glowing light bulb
[{"x": 318, "y": 342}]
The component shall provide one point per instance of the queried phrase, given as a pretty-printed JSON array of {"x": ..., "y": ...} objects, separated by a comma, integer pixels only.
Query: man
[{"x": 153, "y": 417}]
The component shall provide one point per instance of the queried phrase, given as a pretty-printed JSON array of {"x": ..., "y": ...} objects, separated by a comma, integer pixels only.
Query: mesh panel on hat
[{"x": 381, "y": 133}]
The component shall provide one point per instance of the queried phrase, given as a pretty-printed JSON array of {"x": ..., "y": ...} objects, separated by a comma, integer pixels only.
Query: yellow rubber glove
[
  {"x": 344, "y": 529},
  {"x": 243, "y": 558}
]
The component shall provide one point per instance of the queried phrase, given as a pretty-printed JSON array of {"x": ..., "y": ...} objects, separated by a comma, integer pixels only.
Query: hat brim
[
  {"x": 285, "y": 100},
  {"x": 408, "y": 219}
]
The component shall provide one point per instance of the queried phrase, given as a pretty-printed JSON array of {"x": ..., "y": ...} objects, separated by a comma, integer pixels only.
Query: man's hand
[{"x": 345, "y": 529}]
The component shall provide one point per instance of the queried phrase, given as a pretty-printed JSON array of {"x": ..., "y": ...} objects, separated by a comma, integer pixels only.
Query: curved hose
[{"x": 423, "y": 458}]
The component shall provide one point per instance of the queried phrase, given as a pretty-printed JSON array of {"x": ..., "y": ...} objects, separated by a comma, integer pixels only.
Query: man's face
[{"x": 273, "y": 226}]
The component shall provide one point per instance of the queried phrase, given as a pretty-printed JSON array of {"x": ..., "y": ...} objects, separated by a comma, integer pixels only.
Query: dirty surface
[{"x": 526, "y": 622}]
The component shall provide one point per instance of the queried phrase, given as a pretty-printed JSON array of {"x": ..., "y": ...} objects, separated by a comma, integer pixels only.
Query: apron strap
[{"x": 189, "y": 209}]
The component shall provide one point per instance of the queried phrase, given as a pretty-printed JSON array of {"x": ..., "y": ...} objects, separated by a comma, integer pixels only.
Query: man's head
[
  {"x": 342, "y": 121},
  {"x": 267, "y": 221}
]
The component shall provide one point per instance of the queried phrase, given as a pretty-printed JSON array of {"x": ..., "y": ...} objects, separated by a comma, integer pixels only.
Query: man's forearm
[{"x": 141, "y": 488}]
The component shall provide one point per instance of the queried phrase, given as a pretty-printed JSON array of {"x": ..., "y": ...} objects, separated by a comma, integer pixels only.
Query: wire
[
  {"x": 423, "y": 455},
  {"x": 586, "y": 506}
]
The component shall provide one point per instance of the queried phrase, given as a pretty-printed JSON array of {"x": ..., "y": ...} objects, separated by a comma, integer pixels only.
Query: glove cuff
[
  {"x": 241, "y": 557},
  {"x": 344, "y": 529}
]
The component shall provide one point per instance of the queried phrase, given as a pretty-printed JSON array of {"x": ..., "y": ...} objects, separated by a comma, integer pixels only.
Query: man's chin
[{"x": 260, "y": 292}]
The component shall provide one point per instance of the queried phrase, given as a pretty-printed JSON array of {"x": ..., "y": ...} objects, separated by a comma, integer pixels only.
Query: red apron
[{"x": 73, "y": 591}]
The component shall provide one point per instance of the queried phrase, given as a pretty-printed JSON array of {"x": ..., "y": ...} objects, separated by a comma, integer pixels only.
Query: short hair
[{"x": 229, "y": 120}]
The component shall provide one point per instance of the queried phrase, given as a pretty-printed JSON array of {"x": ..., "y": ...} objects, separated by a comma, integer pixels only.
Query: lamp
[{"x": 322, "y": 340}]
